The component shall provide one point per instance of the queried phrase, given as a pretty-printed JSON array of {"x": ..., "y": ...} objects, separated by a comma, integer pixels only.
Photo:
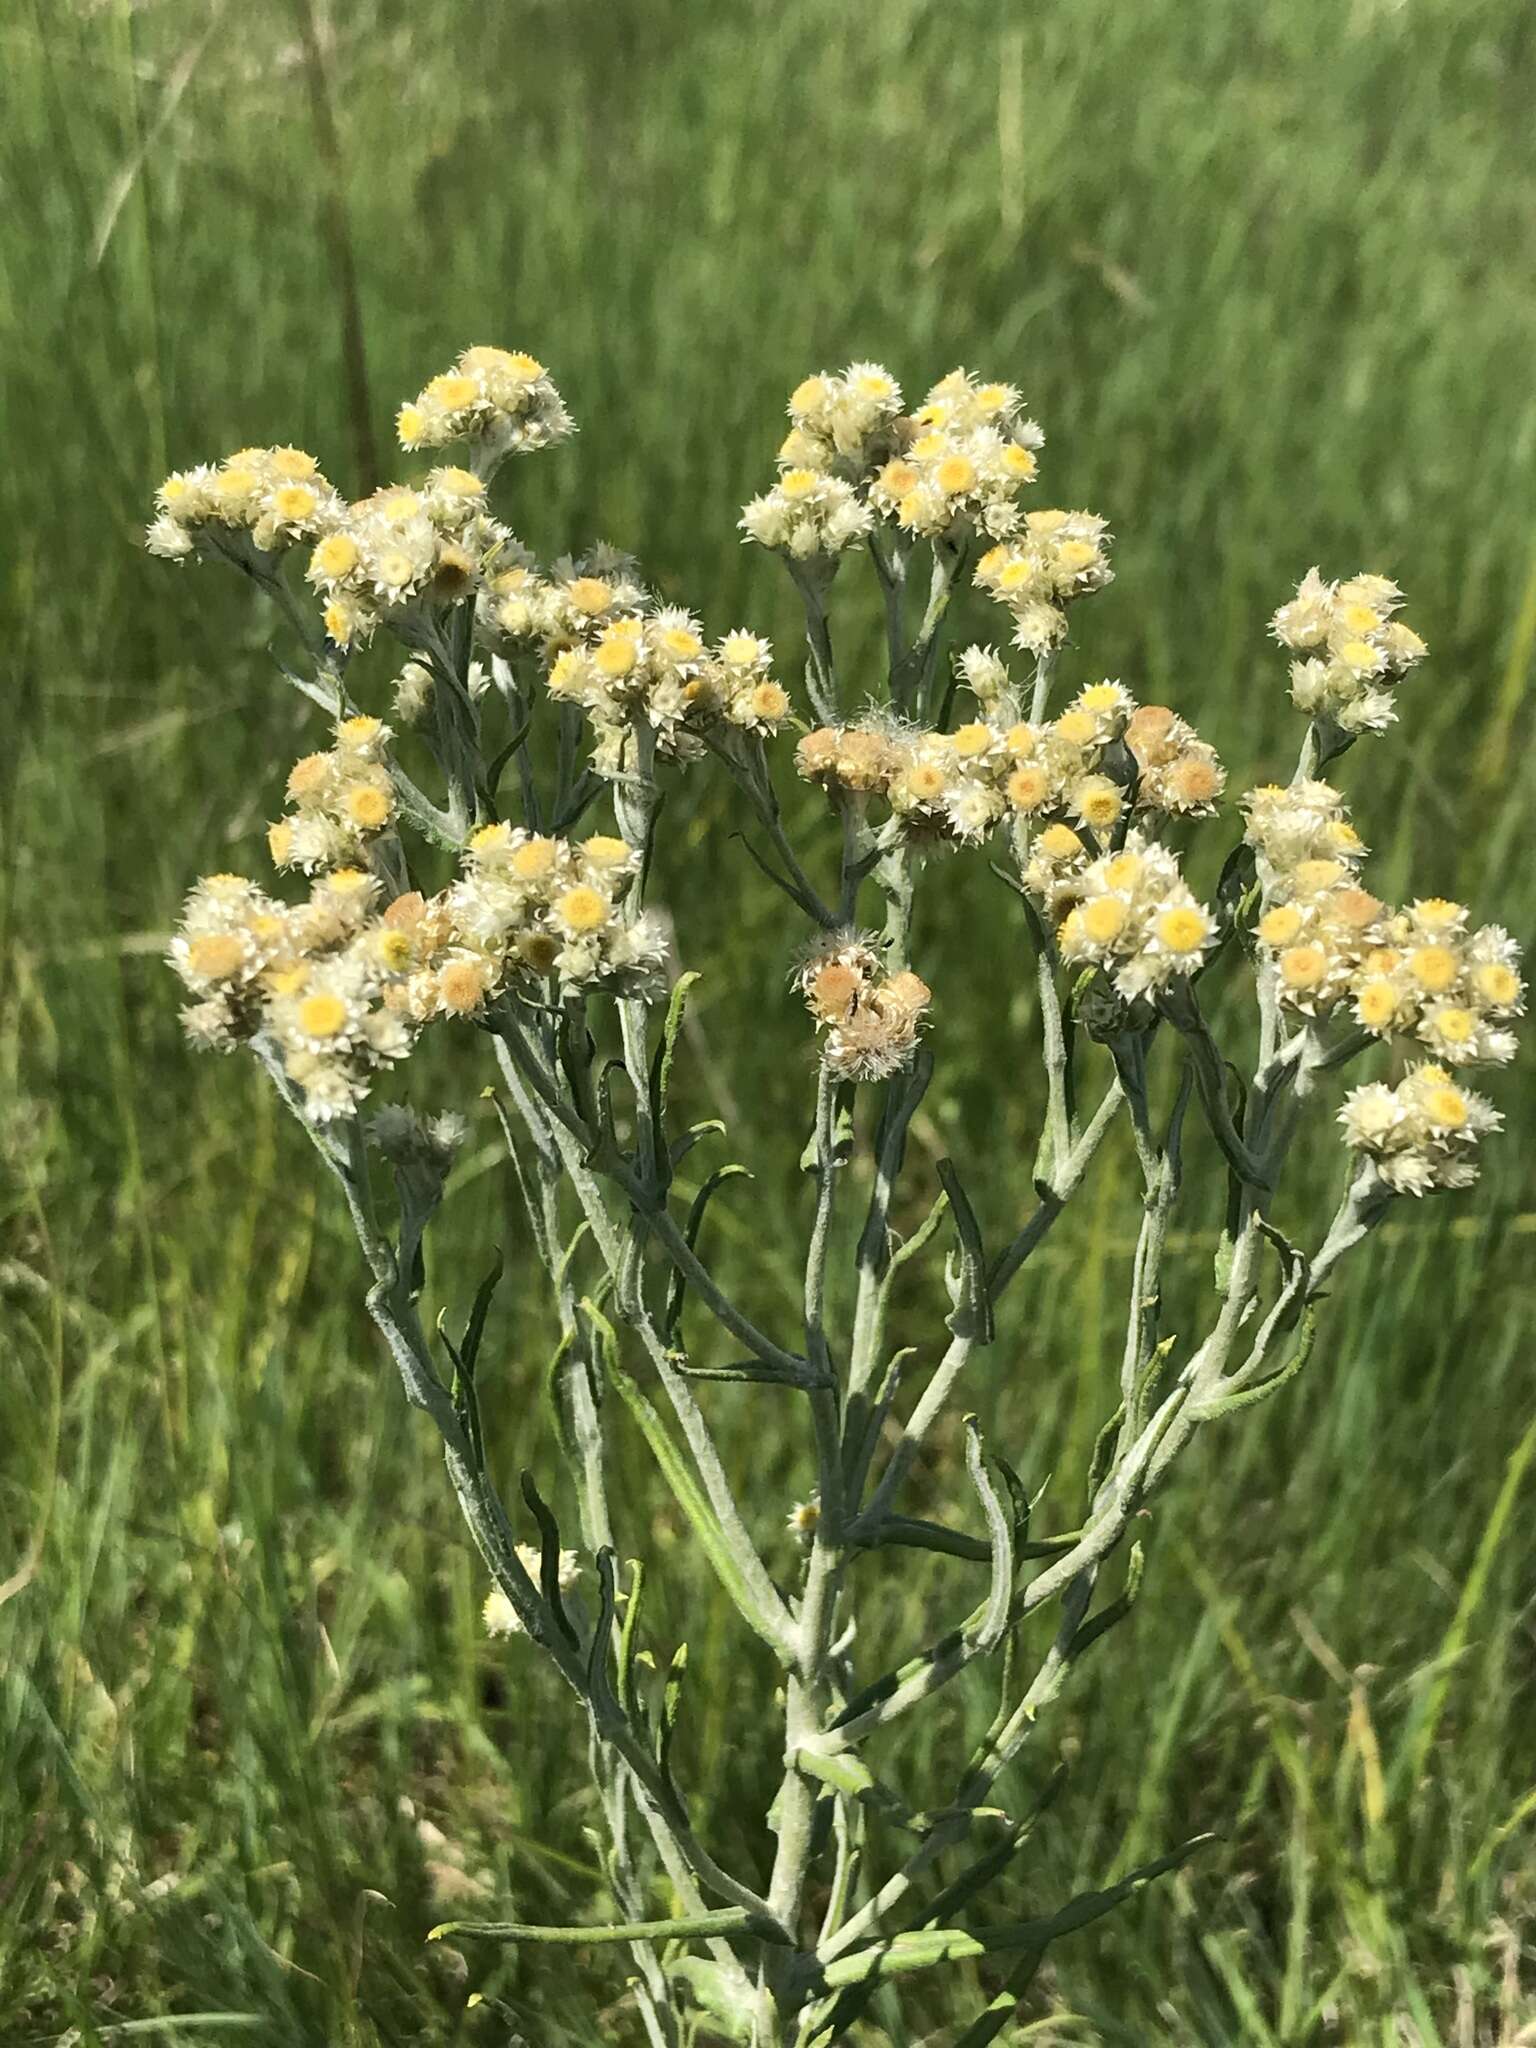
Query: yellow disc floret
[{"x": 322, "y": 1016}]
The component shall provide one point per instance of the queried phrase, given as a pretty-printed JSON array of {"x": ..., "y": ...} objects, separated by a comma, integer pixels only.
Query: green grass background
[{"x": 1264, "y": 274}]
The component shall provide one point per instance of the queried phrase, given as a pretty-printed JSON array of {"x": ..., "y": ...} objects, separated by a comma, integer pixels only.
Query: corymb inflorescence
[{"x": 469, "y": 848}]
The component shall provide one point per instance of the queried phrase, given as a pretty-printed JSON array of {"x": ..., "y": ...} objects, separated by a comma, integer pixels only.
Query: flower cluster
[
  {"x": 323, "y": 981},
  {"x": 395, "y": 556},
  {"x": 1353, "y": 649},
  {"x": 1293, "y": 823},
  {"x": 659, "y": 670},
  {"x": 520, "y": 607},
  {"x": 1059, "y": 557},
  {"x": 953, "y": 468},
  {"x": 500, "y": 401},
  {"x": 971, "y": 451},
  {"x": 1176, "y": 771},
  {"x": 340, "y": 801},
  {"x": 404, "y": 552},
  {"x": 1456, "y": 991},
  {"x": 1423, "y": 1133},
  {"x": 807, "y": 513},
  {"x": 547, "y": 907},
  {"x": 844, "y": 424},
  {"x": 1420, "y": 972},
  {"x": 340, "y": 987},
  {"x": 607, "y": 647},
  {"x": 261, "y": 499},
  {"x": 1129, "y": 912},
  {"x": 957, "y": 787},
  {"x": 871, "y": 1018}
]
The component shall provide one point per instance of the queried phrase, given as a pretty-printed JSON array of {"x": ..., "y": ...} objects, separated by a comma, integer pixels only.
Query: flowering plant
[{"x": 542, "y": 944}]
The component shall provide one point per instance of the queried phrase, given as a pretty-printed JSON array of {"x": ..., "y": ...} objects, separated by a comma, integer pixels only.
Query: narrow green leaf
[
  {"x": 474, "y": 1329},
  {"x": 677, "y": 1286},
  {"x": 624, "y": 1663},
  {"x": 1249, "y": 1397},
  {"x": 676, "y": 1470},
  {"x": 1117, "y": 1609},
  {"x": 599, "y": 1685},
  {"x": 549, "y": 1558},
  {"x": 973, "y": 1312},
  {"x": 728, "y": 1920},
  {"x": 671, "y": 1708},
  {"x": 666, "y": 1051},
  {"x": 994, "y": 1621}
]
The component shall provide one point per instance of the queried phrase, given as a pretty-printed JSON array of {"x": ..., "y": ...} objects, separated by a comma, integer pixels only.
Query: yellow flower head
[
  {"x": 681, "y": 642},
  {"x": 1098, "y": 802},
  {"x": 322, "y": 1016},
  {"x": 583, "y": 909},
  {"x": 309, "y": 776},
  {"x": 605, "y": 851},
  {"x": 486, "y": 840},
  {"x": 1104, "y": 918},
  {"x": 348, "y": 884},
  {"x": 1124, "y": 871},
  {"x": 924, "y": 782},
  {"x": 1497, "y": 983},
  {"x": 1183, "y": 929},
  {"x": 335, "y": 557},
  {"x": 589, "y": 595},
  {"x": 1376, "y": 1004},
  {"x": 955, "y": 475},
  {"x": 1303, "y": 967},
  {"x": 368, "y": 807},
  {"x": 452, "y": 391},
  {"x": 1281, "y": 926},
  {"x": 1077, "y": 728},
  {"x": 616, "y": 654},
  {"x": 1445, "y": 1105},
  {"x": 398, "y": 504},
  {"x": 1438, "y": 914},
  {"x": 462, "y": 985},
  {"x": 1028, "y": 787},
  {"x": 1433, "y": 968},
  {"x": 534, "y": 860},
  {"x": 973, "y": 741},
  {"x": 294, "y": 502},
  {"x": 1100, "y": 698},
  {"x": 217, "y": 955},
  {"x": 1059, "y": 842}
]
